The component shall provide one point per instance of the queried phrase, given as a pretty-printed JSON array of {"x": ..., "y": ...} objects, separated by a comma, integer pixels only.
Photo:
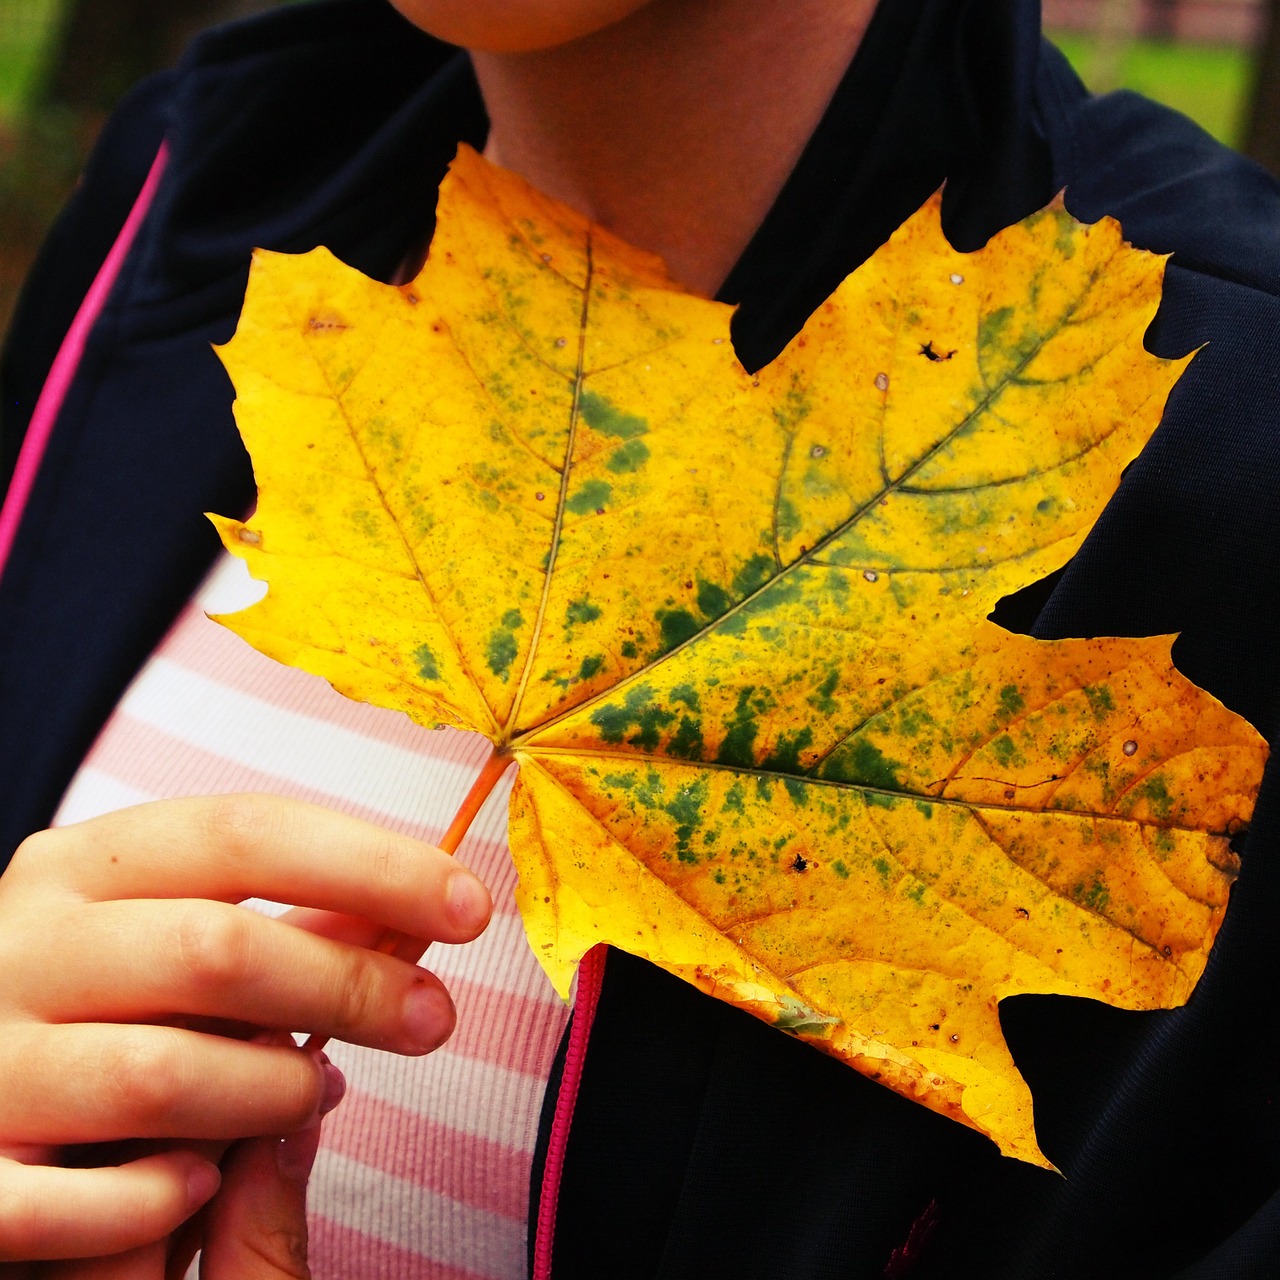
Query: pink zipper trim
[
  {"x": 66, "y": 363},
  {"x": 590, "y": 977}
]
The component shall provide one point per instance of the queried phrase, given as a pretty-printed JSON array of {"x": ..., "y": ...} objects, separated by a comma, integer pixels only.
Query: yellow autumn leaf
[{"x": 732, "y": 626}]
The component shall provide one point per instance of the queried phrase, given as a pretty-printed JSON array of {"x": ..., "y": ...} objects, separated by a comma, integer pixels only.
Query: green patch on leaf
[
  {"x": 636, "y": 713},
  {"x": 630, "y": 457},
  {"x": 500, "y": 652},
  {"x": 426, "y": 662},
  {"x": 591, "y": 497},
  {"x": 678, "y": 625},
  {"x": 603, "y": 416},
  {"x": 580, "y": 611}
]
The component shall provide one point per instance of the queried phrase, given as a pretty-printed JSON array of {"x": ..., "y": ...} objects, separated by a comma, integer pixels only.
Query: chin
[{"x": 514, "y": 26}]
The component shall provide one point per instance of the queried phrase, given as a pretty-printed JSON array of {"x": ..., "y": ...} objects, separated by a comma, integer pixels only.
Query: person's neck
[{"x": 677, "y": 127}]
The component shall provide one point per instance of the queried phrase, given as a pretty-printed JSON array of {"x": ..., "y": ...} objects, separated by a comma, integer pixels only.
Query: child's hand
[{"x": 123, "y": 960}]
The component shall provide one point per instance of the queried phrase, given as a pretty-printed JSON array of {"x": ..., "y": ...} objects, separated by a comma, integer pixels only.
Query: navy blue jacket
[{"x": 704, "y": 1143}]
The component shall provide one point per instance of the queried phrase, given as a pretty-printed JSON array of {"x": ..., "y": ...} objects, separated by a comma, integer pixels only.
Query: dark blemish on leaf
[
  {"x": 426, "y": 661},
  {"x": 935, "y": 1026},
  {"x": 818, "y": 451},
  {"x": 871, "y": 575},
  {"x": 1166, "y": 951},
  {"x": 799, "y": 864},
  {"x": 546, "y": 257},
  {"x": 955, "y": 1039},
  {"x": 250, "y": 536},
  {"x": 882, "y": 382},
  {"x": 1009, "y": 795},
  {"x": 331, "y": 323},
  {"x": 539, "y": 495},
  {"x": 1130, "y": 748},
  {"x": 930, "y": 354},
  {"x": 560, "y": 342},
  {"x": 1022, "y": 912},
  {"x": 755, "y": 382}
]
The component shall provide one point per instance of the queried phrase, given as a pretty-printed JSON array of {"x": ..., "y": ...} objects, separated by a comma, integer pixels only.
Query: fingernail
[
  {"x": 428, "y": 1018},
  {"x": 467, "y": 901},
  {"x": 203, "y": 1180},
  {"x": 296, "y": 1153},
  {"x": 335, "y": 1086}
]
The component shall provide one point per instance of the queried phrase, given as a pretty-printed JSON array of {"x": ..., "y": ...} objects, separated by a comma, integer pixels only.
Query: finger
[
  {"x": 154, "y": 960},
  {"x": 146, "y": 1263},
  {"x": 353, "y": 930},
  {"x": 236, "y": 847},
  {"x": 86, "y": 1213},
  {"x": 111, "y": 1083},
  {"x": 257, "y": 1227}
]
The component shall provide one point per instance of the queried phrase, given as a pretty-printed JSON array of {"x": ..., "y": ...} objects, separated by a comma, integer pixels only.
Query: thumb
[{"x": 256, "y": 1228}]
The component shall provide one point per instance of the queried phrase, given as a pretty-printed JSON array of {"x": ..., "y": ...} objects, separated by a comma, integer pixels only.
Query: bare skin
[
  {"x": 133, "y": 988},
  {"x": 643, "y": 125}
]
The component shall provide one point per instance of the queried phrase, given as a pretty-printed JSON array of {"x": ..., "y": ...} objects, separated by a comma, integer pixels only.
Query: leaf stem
[
  {"x": 486, "y": 780},
  {"x": 401, "y": 945}
]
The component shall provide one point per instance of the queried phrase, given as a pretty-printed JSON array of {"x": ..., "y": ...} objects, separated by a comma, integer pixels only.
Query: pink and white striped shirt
[{"x": 424, "y": 1169}]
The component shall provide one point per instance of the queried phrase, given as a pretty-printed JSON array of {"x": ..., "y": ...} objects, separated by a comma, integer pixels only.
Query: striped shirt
[{"x": 424, "y": 1169}]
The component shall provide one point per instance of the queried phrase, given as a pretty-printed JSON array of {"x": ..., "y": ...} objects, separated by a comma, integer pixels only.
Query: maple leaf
[{"x": 732, "y": 626}]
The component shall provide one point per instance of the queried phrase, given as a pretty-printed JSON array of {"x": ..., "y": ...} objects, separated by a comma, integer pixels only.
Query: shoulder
[{"x": 1173, "y": 187}]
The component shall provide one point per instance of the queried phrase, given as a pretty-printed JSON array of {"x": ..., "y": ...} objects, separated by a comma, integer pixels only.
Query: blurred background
[{"x": 63, "y": 63}]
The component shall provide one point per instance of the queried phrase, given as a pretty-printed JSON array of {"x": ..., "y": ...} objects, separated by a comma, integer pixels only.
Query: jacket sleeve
[{"x": 73, "y": 251}]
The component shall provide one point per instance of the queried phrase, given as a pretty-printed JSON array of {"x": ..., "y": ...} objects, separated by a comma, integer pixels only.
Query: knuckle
[
  {"x": 213, "y": 944},
  {"x": 147, "y": 1077},
  {"x": 242, "y": 824},
  {"x": 36, "y": 853},
  {"x": 393, "y": 872},
  {"x": 283, "y": 1249},
  {"x": 357, "y": 991}
]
